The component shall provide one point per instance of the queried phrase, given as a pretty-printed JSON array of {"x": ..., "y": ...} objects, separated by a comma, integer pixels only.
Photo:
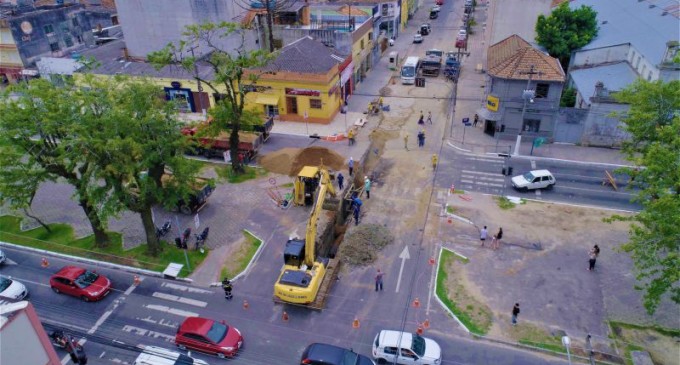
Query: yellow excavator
[{"x": 303, "y": 273}]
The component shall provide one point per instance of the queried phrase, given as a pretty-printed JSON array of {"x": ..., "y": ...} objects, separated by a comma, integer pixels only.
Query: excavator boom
[{"x": 325, "y": 186}]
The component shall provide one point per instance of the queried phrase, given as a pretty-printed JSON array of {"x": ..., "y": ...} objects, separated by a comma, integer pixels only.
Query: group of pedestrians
[{"x": 495, "y": 239}]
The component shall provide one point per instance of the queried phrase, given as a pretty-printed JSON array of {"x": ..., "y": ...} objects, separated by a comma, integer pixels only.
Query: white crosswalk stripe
[{"x": 175, "y": 298}]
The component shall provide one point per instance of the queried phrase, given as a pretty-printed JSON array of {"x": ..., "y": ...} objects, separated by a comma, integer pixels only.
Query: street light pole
[{"x": 528, "y": 96}]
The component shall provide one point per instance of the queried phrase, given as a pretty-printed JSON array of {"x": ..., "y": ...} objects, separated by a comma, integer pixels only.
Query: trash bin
[{"x": 510, "y": 171}]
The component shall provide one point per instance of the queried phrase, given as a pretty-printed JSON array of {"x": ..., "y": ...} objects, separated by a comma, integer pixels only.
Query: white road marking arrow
[{"x": 404, "y": 255}]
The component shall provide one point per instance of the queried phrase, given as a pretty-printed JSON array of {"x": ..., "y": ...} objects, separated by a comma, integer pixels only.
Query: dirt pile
[
  {"x": 362, "y": 243},
  {"x": 289, "y": 161}
]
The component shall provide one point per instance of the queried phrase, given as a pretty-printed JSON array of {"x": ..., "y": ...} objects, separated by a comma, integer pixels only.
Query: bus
[{"x": 409, "y": 70}]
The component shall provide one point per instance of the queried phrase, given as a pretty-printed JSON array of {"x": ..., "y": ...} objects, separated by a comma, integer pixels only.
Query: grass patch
[
  {"x": 62, "y": 240},
  {"x": 505, "y": 203},
  {"x": 225, "y": 173},
  {"x": 660, "y": 342},
  {"x": 528, "y": 334},
  {"x": 473, "y": 314},
  {"x": 450, "y": 209},
  {"x": 242, "y": 255}
]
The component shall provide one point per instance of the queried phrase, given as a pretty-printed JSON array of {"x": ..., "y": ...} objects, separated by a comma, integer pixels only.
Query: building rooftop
[
  {"x": 647, "y": 24},
  {"x": 504, "y": 49},
  {"x": 510, "y": 59},
  {"x": 614, "y": 77},
  {"x": 306, "y": 55},
  {"x": 111, "y": 60}
]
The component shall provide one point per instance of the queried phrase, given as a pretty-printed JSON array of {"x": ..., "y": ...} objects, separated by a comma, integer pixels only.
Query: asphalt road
[
  {"x": 150, "y": 313},
  {"x": 577, "y": 183}
]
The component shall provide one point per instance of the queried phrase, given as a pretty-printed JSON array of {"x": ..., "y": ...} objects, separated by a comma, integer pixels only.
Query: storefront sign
[
  {"x": 302, "y": 92},
  {"x": 492, "y": 103},
  {"x": 347, "y": 73}
]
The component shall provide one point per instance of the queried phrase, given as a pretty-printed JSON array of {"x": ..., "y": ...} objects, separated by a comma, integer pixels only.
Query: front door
[{"x": 291, "y": 105}]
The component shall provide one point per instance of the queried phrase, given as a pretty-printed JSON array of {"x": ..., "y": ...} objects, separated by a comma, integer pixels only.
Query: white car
[
  {"x": 536, "y": 179},
  {"x": 152, "y": 355},
  {"x": 418, "y": 38},
  {"x": 435, "y": 8},
  {"x": 12, "y": 289},
  {"x": 2, "y": 257},
  {"x": 405, "y": 348}
]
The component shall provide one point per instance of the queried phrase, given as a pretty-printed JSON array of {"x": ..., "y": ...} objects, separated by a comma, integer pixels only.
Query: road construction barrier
[
  {"x": 44, "y": 263},
  {"x": 609, "y": 180},
  {"x": 334, "y": 138}
]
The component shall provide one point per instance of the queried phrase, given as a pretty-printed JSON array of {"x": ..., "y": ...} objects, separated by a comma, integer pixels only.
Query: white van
[
  {"x": 536, "y": 179},
  {"x": 405, "y": 348},
  {"x": 153, "y": 355}
]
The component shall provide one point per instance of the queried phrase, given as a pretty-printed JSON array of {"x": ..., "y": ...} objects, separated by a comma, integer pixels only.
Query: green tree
[
  {"x": 568, "y": 99},
  {"x": 39, "y": 143},
  {"x": 653, "y": 122},
  {"x": 566, "y": 30},
  {"x": 229, "y": 77},
  {"x": 133, "y": 142}
]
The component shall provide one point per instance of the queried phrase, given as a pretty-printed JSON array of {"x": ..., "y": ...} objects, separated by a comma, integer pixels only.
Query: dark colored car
[
  {"x": 209, "y": 336},
  {"x": 324, "y": 354},
  {"x": 78, "y": 282}
]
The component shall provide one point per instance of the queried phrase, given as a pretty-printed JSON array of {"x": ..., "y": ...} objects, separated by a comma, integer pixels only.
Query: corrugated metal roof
[
  {"x": 614, "y": 77},
  {"x": 639, "y": 22}
]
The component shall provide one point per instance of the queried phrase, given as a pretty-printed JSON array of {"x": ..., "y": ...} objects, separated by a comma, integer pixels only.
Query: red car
[
  {"x": 209, "y": 336},
  {"x": 439, "y": 2},
  {"x": 81, "y": 283}
]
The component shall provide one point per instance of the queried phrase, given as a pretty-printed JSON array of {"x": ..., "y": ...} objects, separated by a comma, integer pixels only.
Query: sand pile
[
  {"x": 289, "y": 161},
  {"x": 362, "y": 243}
]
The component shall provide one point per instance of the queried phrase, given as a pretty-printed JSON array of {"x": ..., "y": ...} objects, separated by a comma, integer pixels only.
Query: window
[
  {"x": 362, "y": 44},
  {"x": 649, "y": 76},
  {"x": 315, "y": 103},
  {"x": 74, "y": 21},
  {"x": 542, "y": 90},
  {"x": 64, "y": 27},
  {"x": 370, "y": 36},
  {"x": 48, "y": 28},
  {"x": 637, "y": 63},
  {"x": 390, "y": 350},
  {"x": 644, "y": 68},
  {"x": 68, "y": 41},
  {"x": 271, "y": 110},
  {"x": 54, "y": 47},
  {"x": 531, "y": 125}
]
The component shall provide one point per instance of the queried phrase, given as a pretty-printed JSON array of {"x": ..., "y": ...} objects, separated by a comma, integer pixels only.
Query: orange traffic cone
[
  {"x": 419, "y": 330},
  {"x": 431, "y": 260},
  {"x": 416, "y": 303},
  {"x": 245, "y": 304},
  {"x": 355, "y": 323},
  {"x": 44, "y": 263},
  {"x": 137, "y": 280},
  {"x": 284, "y": 316},
  {"x": 426, "y": 324}
]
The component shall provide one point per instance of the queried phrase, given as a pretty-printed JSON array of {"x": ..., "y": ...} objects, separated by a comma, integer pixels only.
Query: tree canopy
[
  {"x": 566, "y": 30},
  {"x": 653, "y": 122},
  {"x": 229, "y": 75}
]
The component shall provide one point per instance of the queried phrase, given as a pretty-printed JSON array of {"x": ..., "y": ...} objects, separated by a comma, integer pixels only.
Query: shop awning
[
  {"x": 267, "y": 99},
  {"x": 486, "y": 114}
]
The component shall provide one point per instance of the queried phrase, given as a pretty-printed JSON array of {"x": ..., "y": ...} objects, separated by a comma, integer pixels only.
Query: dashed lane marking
[{"x": 175, "y": 298}]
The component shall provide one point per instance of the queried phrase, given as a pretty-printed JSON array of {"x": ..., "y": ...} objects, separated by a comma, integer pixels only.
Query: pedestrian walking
[
  {"x": 474, "y": 124},
  {"x": 379, "y": 281},
  {"x": 350, "y": 137},
  {"x": 515, "y": 313},
  {"x": 434, "y": 162},
  {"x": 592, "y": 258},
  {"x": 406, "y": 141},
  {"x": 421, "y": 138},
  {"x": 496, "y": 242},
  {"x": 483, "y": 234},
  {"x": 367, "y": 187},
  {"x": 226, "y": 286},
  {"x": 341, "y": 180},
  {"x": 596, "y": 248},
  {"x": 357, "y": 211},
  {"x": 429, "y": 117},
  {"x": 421, "y": 120},
  {"x": 350, "y": 164}
]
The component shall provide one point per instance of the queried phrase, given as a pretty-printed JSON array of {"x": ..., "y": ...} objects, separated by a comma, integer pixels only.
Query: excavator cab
[
  {"x": 294, "y": 252},
  {"x": 305, "y": 185}
]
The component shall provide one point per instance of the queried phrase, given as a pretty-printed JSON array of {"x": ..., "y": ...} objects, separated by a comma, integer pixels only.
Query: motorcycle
[
  {"x": 68, "y": 343},
  {"x": 200, "y": 238},
  {"x": 163, "y": 230}
]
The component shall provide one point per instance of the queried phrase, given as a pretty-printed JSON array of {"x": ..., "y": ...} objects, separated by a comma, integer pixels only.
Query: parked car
[
  {"x": 12, "y": 289},
  {"x": 435, "y": 8},
  {"x": 536, "y": 179},
  {"x": 425, "y": 29},
  {"x": 405, "y": 348},
  {"x": 81, "y": 283},
  {"x": 417, "y": 38},
  {"x": 323, "y": 354},
  {"x": 209, "y": 336},
  {"x": 434, "y": 14},
  {"x": 3, "y": 257},
  {"x": 152, "y": 355}
]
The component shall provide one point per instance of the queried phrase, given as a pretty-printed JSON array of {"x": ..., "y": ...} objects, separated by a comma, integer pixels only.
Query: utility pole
[{"x": 528, "y": 96}]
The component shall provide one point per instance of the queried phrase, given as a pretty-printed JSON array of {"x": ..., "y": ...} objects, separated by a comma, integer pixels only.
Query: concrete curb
[
  {"x": 109, "y": 265},
  {"x": 436, "y": 277},
  {"x": 252, "y": 259}
]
